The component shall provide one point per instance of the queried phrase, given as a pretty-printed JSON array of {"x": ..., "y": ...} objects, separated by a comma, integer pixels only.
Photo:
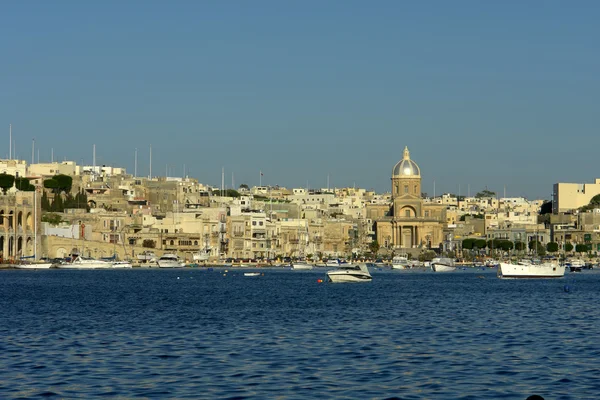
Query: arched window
[
  {"x": 416, "y": 189},
  {"x": 1, "y": 217}
]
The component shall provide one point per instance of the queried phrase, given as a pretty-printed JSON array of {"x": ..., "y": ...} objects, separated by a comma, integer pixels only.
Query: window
[
  {"x": 253, "y": 223},
  {"x": 260, "y": 223},
  {"x": 427, "y": 213},
  {"x": 405, "y": 188},
  {"x": 415, "y": 189},
  {"x": 407, "y": 213}
]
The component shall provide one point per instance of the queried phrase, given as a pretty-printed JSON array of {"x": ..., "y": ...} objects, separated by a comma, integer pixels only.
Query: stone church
[{"x": 410, "y": 222}]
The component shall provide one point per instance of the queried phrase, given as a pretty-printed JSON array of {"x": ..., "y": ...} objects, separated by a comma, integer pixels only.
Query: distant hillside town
[{"x": 57, "y": 209}]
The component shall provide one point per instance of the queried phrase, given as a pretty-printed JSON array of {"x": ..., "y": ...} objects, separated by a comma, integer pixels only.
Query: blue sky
[{"x": 485, "y": 94}]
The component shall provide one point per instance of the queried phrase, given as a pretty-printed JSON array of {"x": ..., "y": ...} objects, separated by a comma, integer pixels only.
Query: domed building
[{"x": 410, "y": 223}]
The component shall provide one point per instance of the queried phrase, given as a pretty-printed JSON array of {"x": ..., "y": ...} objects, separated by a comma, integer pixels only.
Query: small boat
[
  {"x": 121, "y": 264},
  {"x": 251, "y": 273},
  {"x": 350, "y": 273},
  {"x": 442, "y": 264},
  {"x": 33, "y": 265},
  {"x": 80, "y": 262},
  {"x": 146, "y": 256},
  {"x": 576, "y": 265},
  {"x": 302, "y": 266},
  {"x": 400, "y": 262},
  {"x": 332, "y": 263},
  {"x": 529, "y": 269},
  {"x": 169, "y": 260}
]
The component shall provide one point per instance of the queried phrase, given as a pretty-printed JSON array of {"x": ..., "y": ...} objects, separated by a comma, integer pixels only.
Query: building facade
[{"x": 410, "y": 223}]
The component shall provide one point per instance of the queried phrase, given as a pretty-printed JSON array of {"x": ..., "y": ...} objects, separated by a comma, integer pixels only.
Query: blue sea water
[{"x": 198, "y": 334}]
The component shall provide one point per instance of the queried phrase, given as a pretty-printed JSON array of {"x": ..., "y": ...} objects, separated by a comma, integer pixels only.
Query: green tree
[
  {"x": 24, "y": 185},
  {"x": 51, "y": 218},
  {"x": 485, "y": 193},
  {"x": 480, "y": 244},
  {"x": 546, "y": 208},
  {"x": 506, "y": 245},
  {"x": 468, "y": 243},
  {"x": 568, "y": 247},
  {"x": 552, "y": 247},
  {"x": 45, "y": 202},
  {"x": 6, "y": 181},
  {"x": 581, "y": 248},
  {"x": 535, "y": 245},
  {"x": 51, "y": 184},
  {"x": 244, "y": 186},
  {"x": 519, "y": 246},
  {"x": 374, "y": 247},
  {"x": 64, "y": 182}
]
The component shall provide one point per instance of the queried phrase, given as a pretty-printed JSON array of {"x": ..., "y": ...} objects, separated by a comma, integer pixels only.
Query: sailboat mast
[{"x": 10, "y": 141}]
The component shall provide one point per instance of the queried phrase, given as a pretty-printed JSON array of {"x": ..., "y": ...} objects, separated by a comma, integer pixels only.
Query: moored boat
[
  {"x": 33, "y": 265},
  {"x": 169, "y": 260},
  {"x": 528, "y": 269},
  {"x": 400, "y": 262},
  {"x": 301, "y": 266},
  {"x": 350, "y": 273},
  {"x": 442, "y": 264},
  {"x": 81, "y": 262}
]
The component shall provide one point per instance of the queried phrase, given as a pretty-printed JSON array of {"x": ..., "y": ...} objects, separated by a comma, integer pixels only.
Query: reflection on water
[{"x": 200, "y": 334}]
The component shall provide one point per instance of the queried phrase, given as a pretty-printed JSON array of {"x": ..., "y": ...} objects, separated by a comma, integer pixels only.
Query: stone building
[
  {"x": 410, "y": 222},
  {"x": 18, "y": 214}
]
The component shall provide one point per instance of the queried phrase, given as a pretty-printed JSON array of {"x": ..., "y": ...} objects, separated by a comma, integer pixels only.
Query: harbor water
[{"x": 199, "y": 334}]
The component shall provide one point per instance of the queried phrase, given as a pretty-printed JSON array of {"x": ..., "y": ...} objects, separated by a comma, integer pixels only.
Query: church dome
[{"x": 406, "y": 166}]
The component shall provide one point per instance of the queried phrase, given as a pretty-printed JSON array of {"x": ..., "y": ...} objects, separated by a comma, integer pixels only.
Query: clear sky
[{"x": 484, "y": 94}]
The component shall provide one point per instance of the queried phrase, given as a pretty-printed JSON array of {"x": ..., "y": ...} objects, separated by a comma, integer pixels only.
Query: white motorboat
[
  {"x": 576, "y": 265},
  {"x": 400, "y": 262},
  {"x": 80, "y": 262},
  {"x": 528, "y": 269},
  {"x": 332, "y": 263},
  {"x": 33, "y": 265},
  {"x": 350, "y": 273},
  {"x": 301, "y": 266},
  {"x": 121, "y": 264},
  {"x": 169, "y": 260},
  {"x": 442, "y": 264},
  {"x": 146, "y": 256},
  {"x": 251, "y": 273}
]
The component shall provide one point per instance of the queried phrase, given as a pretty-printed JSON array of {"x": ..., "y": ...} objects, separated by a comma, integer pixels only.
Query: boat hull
[
  {"x": 347, "y": 277},
  {"x": 169, "y": 264},
  {"x": 33, "y": 266},
  {"x": 301, "y": 267},
  {"x": 515, "y": 271},
  {"x": 442, "y": 268}
]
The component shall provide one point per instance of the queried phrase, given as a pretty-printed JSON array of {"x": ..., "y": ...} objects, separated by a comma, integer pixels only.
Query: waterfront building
[
  {"x": 571, "y": 196},
  {"x": 410, "y": 222},
  {"x": 18, "y": 211}
]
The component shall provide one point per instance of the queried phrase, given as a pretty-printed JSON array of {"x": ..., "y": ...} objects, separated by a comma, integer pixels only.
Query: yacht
[
  {"x": 121, "y": 264},
  {"x": 301, "y": 266},
  {"x": 400, "y": 262},
  {"x": 332, "y": 263},
  {"x": 146, "y": 256},
  {"x": 81, "y": 262},
  {"x": 529, "y": 269},
  {"x": 169, "y": 260},
  {"x": 350, "y": 273},
  {"x": 33, "y": 265},
  {"x": 575, "y": 265},
  {"x": 442, "y": 264}
]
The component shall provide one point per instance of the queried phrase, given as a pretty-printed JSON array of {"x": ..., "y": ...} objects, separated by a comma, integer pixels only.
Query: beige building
[
  {"x": 55, "y": 168},
  {"x": 571, "y": 196},
  {"x": 18, "y": 214},
  {"x": 411, "y": 223}
]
